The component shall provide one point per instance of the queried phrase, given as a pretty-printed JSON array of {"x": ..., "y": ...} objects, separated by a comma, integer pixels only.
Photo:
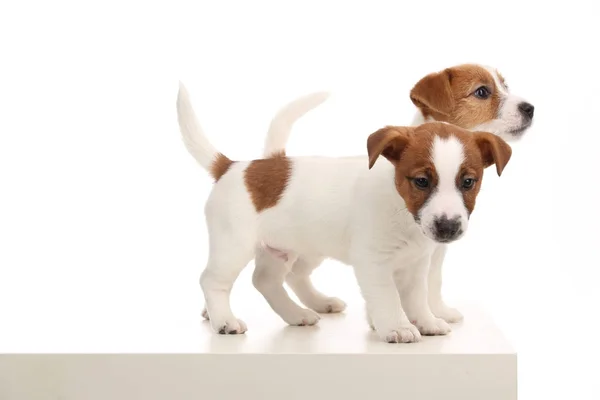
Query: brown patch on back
[
  {"x": 220, "y": 166},
  {"x": 448, "y": 96},
  {"x": 266, "y": 180}
]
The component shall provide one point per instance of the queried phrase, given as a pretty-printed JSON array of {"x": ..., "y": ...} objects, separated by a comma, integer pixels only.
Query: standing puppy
[
  {"x": 473, "y": 97},
  {"x": 385, "y": 219},
  {"x": 470, "y": 96}
]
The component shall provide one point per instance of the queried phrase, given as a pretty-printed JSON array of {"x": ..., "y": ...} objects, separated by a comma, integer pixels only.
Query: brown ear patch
[
  {"x": 266, "y": 180},
  {"x": 389, "y": 142},
  {"x": 220, "y": 166},
  {"x": 494, "y": 150},
  {"x": 434, "y": 93}
]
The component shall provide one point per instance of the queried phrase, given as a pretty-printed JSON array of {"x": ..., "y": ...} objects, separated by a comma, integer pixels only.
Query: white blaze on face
[
  {"x": 509, "y": 120},
  {"x": 446, "y": 199}
]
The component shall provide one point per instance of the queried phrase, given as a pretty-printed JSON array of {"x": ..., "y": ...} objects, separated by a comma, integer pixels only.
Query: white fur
[
  {"x": 282, "y": 123},
  {"x": 502, "y": 89},
  {"x": 509, "y": 119},
  {"x": 331, "y": 207},
  {"x": 509, "y": 122},
  {"x": 193, "y": 137},
  {"x": 447, "y": 156}
]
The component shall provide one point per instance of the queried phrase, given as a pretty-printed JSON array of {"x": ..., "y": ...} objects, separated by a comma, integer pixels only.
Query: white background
[{"x": 101, "y": 207}]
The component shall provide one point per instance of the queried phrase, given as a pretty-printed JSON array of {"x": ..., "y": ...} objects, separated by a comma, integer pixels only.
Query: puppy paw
[
  {"x": 205, "y": 314},
  {"x": 329, "y": 305},
  {"x": 450, "y": 315},
  {"x": 303, "y": 317},
  {"x": 229, "y": 327},
  {"x": 403, "y": 334},
  {"x": 433, "y": 326}
]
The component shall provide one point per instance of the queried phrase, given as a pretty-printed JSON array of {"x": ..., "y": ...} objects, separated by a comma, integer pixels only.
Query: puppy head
[
  {"x": 438, "y": 172},
  {"x": 473, "y": 97}
]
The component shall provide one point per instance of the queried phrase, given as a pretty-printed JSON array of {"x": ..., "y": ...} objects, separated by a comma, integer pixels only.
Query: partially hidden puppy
[
  {"x": 474, "y": 97},
  {"x": 470, "y": 96},
  {"x": 383, "y": 218}
]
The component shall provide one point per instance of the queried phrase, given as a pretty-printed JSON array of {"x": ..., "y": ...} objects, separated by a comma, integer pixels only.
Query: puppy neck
[{"x": 420, "y": 119}]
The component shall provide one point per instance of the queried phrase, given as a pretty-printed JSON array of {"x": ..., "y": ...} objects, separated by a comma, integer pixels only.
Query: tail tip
[
  {"x": 182, "y": 91},
  {"x": 321, "y": 96}
]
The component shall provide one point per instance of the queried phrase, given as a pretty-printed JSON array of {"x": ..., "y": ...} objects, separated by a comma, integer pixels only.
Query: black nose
[
  {"x": 526, "y": 109},
  {"x": 447, "y": 229}
]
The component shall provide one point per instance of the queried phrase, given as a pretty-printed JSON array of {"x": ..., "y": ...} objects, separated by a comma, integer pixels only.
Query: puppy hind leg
[
  {"x": 299, "y": 281},
  {"x": 262, "y": 262},
  {"x": 226, "y": 260},
  {"x": 269, "y": 275}
]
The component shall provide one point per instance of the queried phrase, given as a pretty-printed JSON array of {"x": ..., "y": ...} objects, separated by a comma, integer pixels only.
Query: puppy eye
[
  {"x": 421, "y": 183},
  {"x": 482, "y": 93},
  {"x": 468, "y": 183}
]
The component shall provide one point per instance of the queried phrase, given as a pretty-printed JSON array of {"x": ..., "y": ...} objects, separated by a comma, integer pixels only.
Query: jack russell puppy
[
  {"x": 473, "y": 97},
  {"x": 385, "y": 218}
]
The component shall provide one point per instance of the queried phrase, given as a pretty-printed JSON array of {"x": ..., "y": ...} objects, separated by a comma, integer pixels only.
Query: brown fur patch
[
  {"x": 448, "y": 96},
  {"x": 220, "y": 166},
  {"x": 267, "y": 179},
  {"x": 482, "y": 149},
  {"x": 417, "y": 165},
  {"x": 494, "y": 151},
  {"x": 472, "y": 167},
  {"x": 409, "y": 150}
]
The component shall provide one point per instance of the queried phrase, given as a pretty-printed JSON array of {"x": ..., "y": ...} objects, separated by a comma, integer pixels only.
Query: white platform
[{"x": 338, "y": 359}]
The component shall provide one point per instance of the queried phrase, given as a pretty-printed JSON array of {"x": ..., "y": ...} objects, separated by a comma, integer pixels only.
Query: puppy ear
[
  {"x": 434, "y": 92},
  {"x": 494, "y": 150},
  {"x": 389, "y": 142}
]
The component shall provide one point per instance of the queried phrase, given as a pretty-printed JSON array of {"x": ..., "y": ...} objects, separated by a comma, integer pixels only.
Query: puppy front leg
[
  {"x": 412, "y": 287},
  {"x": 383, "y": 304},
  {"x": 436, "y": 303}
]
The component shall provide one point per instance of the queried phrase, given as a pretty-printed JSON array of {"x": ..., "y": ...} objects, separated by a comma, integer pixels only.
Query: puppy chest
[{"x": 407, "y": 253}]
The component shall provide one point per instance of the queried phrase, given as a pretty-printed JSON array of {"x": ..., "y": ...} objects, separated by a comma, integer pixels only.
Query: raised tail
[
  {"x": 282, "y": 123},
  {"x": 195, "y": 140}
]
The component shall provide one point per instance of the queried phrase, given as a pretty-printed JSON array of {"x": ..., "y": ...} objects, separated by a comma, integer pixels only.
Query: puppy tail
[
  {"x": 282, "y": 123},
  {"x": 195, "y": 140}
]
